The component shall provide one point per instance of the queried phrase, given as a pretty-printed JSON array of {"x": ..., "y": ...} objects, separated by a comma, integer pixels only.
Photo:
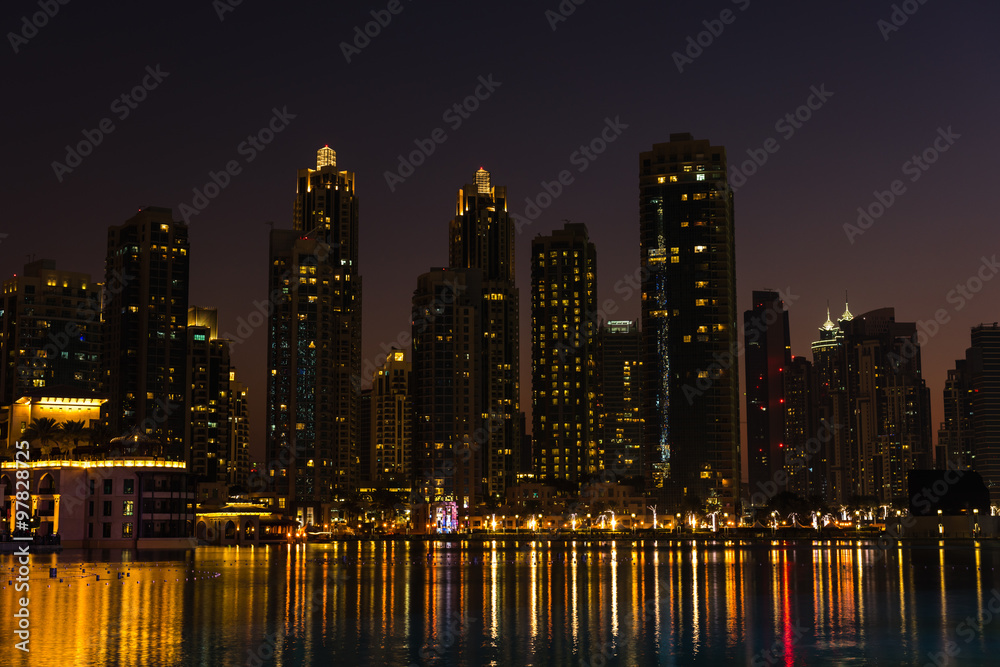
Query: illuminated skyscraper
[
  {"x": 563, "y": 331},
  {"x": 619, "y": 421},
  {"x": 451, "y": 425},
  {"x": 392, "y": 422},
  {"x": 482, "y": 237},
  {"x": 691, "y": 419},
  {"x": 207, "y": 441},
  {"x": 144, "y": 350},
  {"x": 314, "y": 342},
  {"x": 239, "y": 431},
  {"x": 50, "y": 322}
]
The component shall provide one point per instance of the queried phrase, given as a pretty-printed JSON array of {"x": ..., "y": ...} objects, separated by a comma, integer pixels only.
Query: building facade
[
  {"x": 144, "y": 349},
  {"x": 619, "y": 419},
  {"x": 314, "y": 342},
  {"x": 207, "y": 439},
  {"x": 691, "y": 422},
  {"x": 563, "y": 342},
  {"x": 50, "y": 325},
  {"x": 767, "y": 353},
  {"x": 392, "y": 422},
  {"x": 481, "y": 237}
]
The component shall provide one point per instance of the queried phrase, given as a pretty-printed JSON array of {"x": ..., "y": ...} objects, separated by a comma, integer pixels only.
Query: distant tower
[
  {"x": 768, "y": 353},
  {"x": 392, "y": 422},
  {"x": 482, "y": 237},
  {"x": 619, "y": 378},
  {"x": 563, "y": 333},
  {"x": 144, "y": 348}
]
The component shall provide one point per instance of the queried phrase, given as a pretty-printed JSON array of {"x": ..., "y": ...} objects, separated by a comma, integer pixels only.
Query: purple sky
[{"x": 556, "y": 90}]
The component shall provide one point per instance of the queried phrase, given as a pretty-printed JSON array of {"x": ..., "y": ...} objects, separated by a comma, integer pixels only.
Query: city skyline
[{"x": 803, "y": 247}]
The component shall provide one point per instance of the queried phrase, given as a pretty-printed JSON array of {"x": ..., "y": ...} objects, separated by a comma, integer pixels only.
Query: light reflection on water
[{"x": 514, "y": 603}]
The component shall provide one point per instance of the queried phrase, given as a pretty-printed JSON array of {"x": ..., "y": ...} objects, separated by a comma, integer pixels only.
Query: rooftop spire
[
  {"x": 828, "y": 325},
  {"x": 326, "y": 156},
  {"x": 846, "y": 317}
]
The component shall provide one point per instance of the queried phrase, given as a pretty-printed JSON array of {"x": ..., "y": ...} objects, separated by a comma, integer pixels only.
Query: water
[{"x": 514, "y": 603}]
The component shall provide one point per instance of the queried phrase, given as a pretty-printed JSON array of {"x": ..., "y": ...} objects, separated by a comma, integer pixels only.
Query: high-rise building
[
  {"x": 365, "y": 436},
  {"x": 392, "y": 421},
  {"x": 889, "y": 405},
  {"x": 451, "y": 428},
  {"x": 956, "y": 437},
  {"x": 983, "y": 360},
  {"x": 619, "y": 421},
  {"x": 563, "y": 328},
  {"x": 239, "y": 431},
  {"x": 803, "y": 462},
  {"x": 832, "y": 403},
  {"x": 144, "y": 350},
  {"x": 50, "y": 324},
  {"x": 314, "y": 343},
  {"x": 691, "y": 442},
  {"x": 207, "y": 440},
  {"x": 767, "y": 353},
  {"x": 482, "y": 237}
]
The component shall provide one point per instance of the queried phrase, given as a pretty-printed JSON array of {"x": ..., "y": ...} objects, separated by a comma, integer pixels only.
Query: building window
[
  {"x": 107, "y": 508},
  {"x": 128, "y": 487},
  {"x": 106, "y": 530},
  {"x": 91, "y": 508},
  {"x": 126, "y": 529},
  {"x": 92, "y": 489},
  {"x": 108, "y": 486},
  {"x": 90, "y": 530},
  {"x": 128, "y": 507}
]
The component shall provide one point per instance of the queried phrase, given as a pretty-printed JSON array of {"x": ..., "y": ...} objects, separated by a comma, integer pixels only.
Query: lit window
[
  {"x": 684, "y": 197},
  {"x": 700, "y": 177},
  {"x": 700, "y": 248},
  {"x": 673, "y": 179},
  {"x": 661, "y": 179}
]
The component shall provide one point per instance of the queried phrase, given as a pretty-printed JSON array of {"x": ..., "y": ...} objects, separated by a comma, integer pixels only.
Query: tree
[
  {"x": 74, "y": 431},
  {"x": 44, "y": 432},
  {"x": 99, "y": 434}
]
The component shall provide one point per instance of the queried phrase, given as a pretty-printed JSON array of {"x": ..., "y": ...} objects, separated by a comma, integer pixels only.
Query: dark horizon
[{"x": 875, "y": 98}]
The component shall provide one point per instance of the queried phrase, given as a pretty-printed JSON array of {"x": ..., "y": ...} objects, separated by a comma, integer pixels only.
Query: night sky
[{"x": 554, "y": 90}]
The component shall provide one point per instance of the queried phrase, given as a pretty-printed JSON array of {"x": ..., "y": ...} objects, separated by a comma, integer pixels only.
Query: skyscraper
[
  {"x": 889, "y": 405},
  {"x": 983, "y": 360},
  {"x": 482, "y": 237},
  {"x": 314, "y": 342},
  {"x": 144, "y": 349},
  {"x": 50, "y": 325},
  {"x": 619, "y": 421},
  {"x": 563, "y": 329},
  {"x": 768, "y": 352},
  {"x": 392, "y": 421},
  {"x": 239, "y": 431},
  {"x": 832, "y": 406},
  {"x": 956, "y": 437},
  {"x": 451, "y": 428},
  {"x": 207, "y": 440},
  {"x": 804, "y": 464},
  {"x": 691, "y": 442}
]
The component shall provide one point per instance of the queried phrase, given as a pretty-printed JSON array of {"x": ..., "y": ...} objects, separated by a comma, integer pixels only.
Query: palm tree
[
  {"x": 99, "y": 434},
  {"x": 43, "y": 432},
  {"x": 74, "y": 431}
]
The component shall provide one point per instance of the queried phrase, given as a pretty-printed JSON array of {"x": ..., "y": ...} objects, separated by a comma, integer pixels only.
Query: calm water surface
[{"x": 514, "y": 603}]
